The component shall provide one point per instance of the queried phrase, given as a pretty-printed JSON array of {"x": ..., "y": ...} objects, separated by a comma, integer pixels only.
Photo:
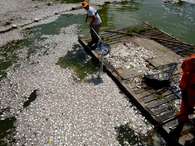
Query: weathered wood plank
[
  {"x": 166, "y": 115},
  {"x": 160, "y": 109},
  {"x": 159, "y": 102}
]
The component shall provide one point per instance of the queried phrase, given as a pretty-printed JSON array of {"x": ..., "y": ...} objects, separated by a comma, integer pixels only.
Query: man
[
  {"x": 187, "y": 86},
  {"x": 95, "y": 22}
]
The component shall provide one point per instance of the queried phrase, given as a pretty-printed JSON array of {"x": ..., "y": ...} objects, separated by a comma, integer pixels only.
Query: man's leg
[
  {"x": 94, "y": 37},
  {"x": 182, "y": 119},
  {"x": 184, "y": 111},
  {"x": 97, "y": 30}
]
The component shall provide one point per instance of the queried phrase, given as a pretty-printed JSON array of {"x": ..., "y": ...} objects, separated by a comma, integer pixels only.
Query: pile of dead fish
[{"x": 130, "y": 56}]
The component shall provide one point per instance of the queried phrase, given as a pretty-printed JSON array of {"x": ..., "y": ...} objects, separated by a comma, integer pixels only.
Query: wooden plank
[
  {"x": 143, "y": 106},
  {"x": 149, "y": 98},
  {"x": 161, "y": 93},
  {"x": 159, "y": 102},
  {"x": 162, "y": 55},
  {"x": 106, "y": 34},
  {"x": 142, "y": 90},
  {"x": 160, "y": 109},
  {"x": 170, "y": 41},
  {"x": 128, "y": 73},
  {"x": 165, "y": 115},
  {"x": 156, "y": 95},
  {"x": 171, "y": 125},
  {"x": 118, "y": 38},
  {"x": 145, "y": 95}
]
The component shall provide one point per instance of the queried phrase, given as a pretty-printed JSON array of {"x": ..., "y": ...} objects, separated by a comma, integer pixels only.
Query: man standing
[
  {"x": 187, "y": 86},
  {"x": 95, "y": 22}
]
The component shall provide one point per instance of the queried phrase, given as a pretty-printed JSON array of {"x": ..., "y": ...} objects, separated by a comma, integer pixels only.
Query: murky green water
[
  {"x": 177, "y": 20},
  {"x": 8, "y": 56},
  {"x": 79, "y": 62}
]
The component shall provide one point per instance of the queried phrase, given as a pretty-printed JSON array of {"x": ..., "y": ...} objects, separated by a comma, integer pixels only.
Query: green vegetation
[
  {"x": 125, "y": 136},
  {"x": 8, "y": 55},
  {"x": 7, "y": 129},
  {"x": 79, "y": 62}
]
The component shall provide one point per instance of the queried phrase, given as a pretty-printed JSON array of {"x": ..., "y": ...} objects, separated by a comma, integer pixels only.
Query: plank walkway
[{"x": 157, "y": 105}]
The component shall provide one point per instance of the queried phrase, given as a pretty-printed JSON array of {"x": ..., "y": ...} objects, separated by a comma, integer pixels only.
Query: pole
[
  {"x": 101, "y": 55},
  {"x": 101, "y": 65}
]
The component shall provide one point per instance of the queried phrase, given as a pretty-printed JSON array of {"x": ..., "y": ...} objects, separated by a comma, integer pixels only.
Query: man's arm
[{"x": 92, "y": 20}]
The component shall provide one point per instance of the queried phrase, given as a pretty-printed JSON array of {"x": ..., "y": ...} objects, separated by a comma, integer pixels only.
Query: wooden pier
[{"x": 156, "y": 104}]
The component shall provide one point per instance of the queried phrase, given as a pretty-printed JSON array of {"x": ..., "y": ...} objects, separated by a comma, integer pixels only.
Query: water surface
[{"x": 175, "y": 19}]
